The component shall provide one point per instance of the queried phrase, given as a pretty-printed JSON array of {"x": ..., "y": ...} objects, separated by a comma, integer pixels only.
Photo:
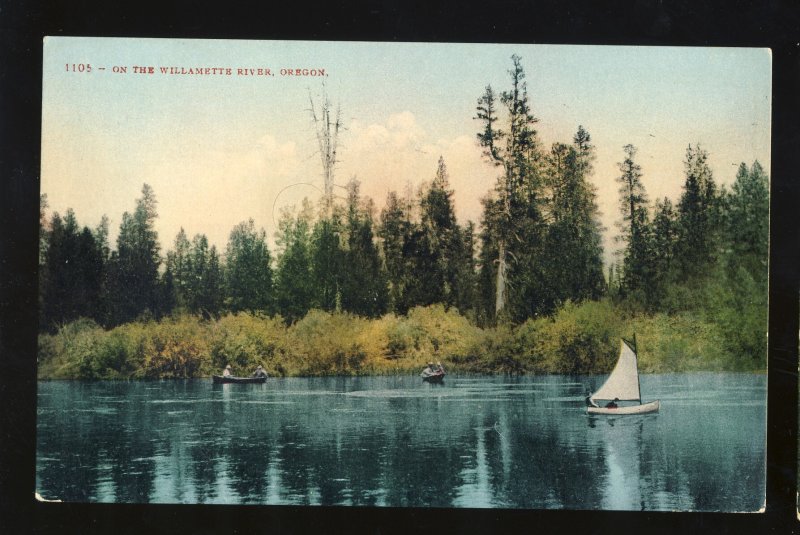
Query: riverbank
[{"x": 581, "y": 339}]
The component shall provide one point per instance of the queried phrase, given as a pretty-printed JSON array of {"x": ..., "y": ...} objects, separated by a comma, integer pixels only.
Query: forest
[{"x": 353, "y": 289}]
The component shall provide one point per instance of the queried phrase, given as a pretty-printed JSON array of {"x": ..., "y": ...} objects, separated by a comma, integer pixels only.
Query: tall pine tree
[
  {"x": 635, "y": 279},
  {"x": 394, "y": 231},
  {"x": 443, "y": 236},
  {"x": 664, "y": 236},
  {"x": 248, "y": 270},
  {"x": 134, "y": 288},
  {"x": 294, "y": 285},
  {"x": 573, "y": 252},
  {"x": 204, "y": 285},
  {"x": 516, "y": 226},
  {"x": 72, "y": 273},
  {"x": 697, "y": 217},
  {"x": 178, "y": 274},
  {"x": 748, "y": 220},
  {"x": 327, "y": 260},
  {"x": 364, "y": 282}
]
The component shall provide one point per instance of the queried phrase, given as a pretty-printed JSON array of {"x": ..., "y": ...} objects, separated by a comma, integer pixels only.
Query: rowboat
[
  {"x": 219, "y": 379},
  {"x": 622, "y": 385},
  {"x": 436, "y": 377}
]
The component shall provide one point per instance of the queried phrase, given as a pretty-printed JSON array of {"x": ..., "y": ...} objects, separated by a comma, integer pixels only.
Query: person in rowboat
[
  {"x": 259, "y": 372},
  {"x": 227, "y": 371}
]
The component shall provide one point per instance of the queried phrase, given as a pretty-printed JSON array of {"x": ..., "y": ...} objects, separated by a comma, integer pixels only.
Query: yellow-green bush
[
  {"x": 492, "y": 351},
  {"x": 578, "y": 338},
  {"x": 677, "y": 343},
  {"x": 246, "y": 341},
  {"x": 324, "y": 343},
  {"x": 73, "y": 351},
  {"x": 440, "y": 334}
]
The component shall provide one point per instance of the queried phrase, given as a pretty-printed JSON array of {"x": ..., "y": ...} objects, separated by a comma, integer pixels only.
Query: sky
[{"x": 220, "y": 149}]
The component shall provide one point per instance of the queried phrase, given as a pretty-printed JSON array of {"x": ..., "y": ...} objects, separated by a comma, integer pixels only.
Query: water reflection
[{"x": 390, "y": 441}]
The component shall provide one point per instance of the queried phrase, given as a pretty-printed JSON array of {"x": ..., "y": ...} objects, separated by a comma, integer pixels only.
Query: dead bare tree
[{"x": 327, "y": 124}]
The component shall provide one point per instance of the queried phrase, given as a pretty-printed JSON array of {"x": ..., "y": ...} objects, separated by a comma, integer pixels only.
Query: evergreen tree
[
  {"x": 734, "y": 288},
  {"x": 73, "y": 271},
  {"x": 294, "y": 286},
  {"x": 55, "y": 282},
  {"x": 466, "y": 298},
  {"x": 635, "y": 279},
  {"x": 697, "y": 232},
  {"x": 394, "y": 231},
  {"x": 487, "y": 263},
  {"x": 364, "y": 282},
  {"x": 90, "y": 272},
  {"x": 101, "y": 237},
  {"x": 178, "y": 267},
  {"x": 203, "y": 286},
  {"x": 589, "y": 282},
  {"x": 518, "y": 227},
  {"x": 421, "y": 289},
  {"x": 104, "y": 252},
  {"x": 573, "y": 247},
  {"x": 135, "y": 286},
  {"x": 328, "y": 264},
  {"x": 664, "y": 235},
  {"x": 443, "y": 236},
  {"x": 248, "y": 270},
  {"x": 167, "y": 300},
  {"x": 748, "y": 220}
]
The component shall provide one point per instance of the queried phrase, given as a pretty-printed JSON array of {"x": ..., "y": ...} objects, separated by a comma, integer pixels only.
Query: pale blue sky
[{"x": 219, "y": 149}]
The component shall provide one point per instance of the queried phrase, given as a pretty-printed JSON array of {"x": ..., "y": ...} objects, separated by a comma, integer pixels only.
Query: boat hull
[
  {"x": 435, "y": 378},
  {"x": 644, "y": 408},
  {"x": 219, "y": 379}
]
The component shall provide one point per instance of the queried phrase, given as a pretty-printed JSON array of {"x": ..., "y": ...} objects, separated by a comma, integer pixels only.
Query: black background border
[{"x": 773, "y": 24}]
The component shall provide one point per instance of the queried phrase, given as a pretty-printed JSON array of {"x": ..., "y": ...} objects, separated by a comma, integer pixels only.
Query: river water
[{"x": 475, "y": 441}]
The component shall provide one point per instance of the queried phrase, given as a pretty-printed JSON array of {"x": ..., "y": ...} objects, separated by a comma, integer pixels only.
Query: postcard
[{"x": 488, "y": 276}]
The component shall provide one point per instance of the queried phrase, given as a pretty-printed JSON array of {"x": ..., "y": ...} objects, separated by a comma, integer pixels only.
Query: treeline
[{"x": 536, "y": 252}]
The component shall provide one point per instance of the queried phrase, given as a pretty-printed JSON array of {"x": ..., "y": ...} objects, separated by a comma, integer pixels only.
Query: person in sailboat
[{"x": 612, "y": 404}]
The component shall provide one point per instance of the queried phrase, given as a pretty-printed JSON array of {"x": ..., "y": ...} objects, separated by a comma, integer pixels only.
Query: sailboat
[{"x": 622, "y": 385}]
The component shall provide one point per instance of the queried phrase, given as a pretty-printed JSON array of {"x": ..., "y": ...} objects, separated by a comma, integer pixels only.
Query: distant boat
[
  {"x": 622, "y": 385},
  {"x": 432, "y": 376},
  {"x": 219, "y": 379}
]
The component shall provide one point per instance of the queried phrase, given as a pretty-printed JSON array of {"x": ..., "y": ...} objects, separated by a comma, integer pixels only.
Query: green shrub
[
  {"x": 246, "y": 341},
  {"x": 678, "y": 343},
  {"x": 580, "y": 338},
  {"x": 324, "y": 343}
]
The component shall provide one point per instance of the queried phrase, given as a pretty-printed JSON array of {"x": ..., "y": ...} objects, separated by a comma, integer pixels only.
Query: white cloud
[{"x": 397, "y": 152}]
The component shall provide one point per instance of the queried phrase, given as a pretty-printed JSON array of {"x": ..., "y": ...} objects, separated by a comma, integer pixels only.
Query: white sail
[{"x": 623, "y": 383}]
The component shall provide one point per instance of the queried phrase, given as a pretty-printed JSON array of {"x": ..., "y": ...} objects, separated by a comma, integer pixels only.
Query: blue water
[{"x": 477, "y": 441}]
